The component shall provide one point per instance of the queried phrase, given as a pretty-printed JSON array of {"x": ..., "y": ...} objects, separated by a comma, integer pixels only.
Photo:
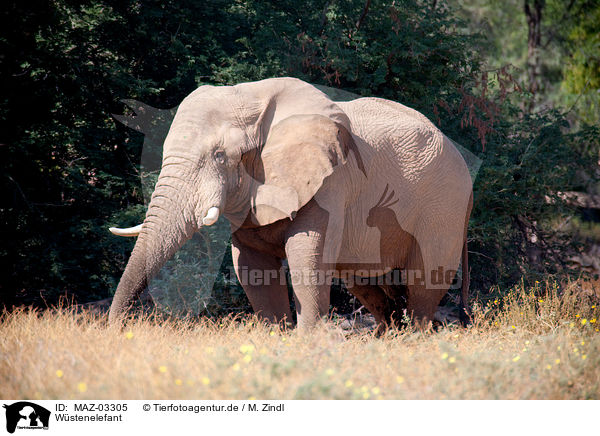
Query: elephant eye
[{"x": 220, "y": 157}]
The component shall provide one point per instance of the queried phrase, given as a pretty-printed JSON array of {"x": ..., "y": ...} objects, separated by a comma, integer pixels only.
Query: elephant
[{"x": 354, "y": 190}]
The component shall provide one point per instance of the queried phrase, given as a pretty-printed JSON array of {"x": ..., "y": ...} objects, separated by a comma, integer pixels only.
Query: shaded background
[{"x": 516, "y": 82}]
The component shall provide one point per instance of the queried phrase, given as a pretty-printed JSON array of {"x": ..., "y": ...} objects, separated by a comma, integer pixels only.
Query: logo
[{"x": 26, "y": 415}]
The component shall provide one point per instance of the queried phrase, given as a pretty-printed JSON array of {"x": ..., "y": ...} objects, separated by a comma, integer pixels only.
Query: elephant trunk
[
  {"x": 171, "y": 220},
  {"x": 160, "y": 237}
]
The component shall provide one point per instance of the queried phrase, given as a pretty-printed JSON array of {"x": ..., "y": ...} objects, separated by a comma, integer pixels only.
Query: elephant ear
[{"x": 300, "y": 152}]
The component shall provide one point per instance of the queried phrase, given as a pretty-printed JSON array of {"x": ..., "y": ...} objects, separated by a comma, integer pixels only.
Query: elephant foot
[{"x": 386, "y": 306}]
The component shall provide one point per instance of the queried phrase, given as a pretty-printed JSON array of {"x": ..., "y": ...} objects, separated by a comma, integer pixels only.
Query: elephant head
[{"x": 228, "y": 153}]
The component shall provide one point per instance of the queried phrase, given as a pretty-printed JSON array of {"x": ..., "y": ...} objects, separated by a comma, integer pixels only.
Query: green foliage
[
  {"x": 530, "y": 158},
  {"x": 67, "y": 170},
  {"x": 516, "y": 192},
  {"x": 581, "y": 84},
  {"x": 569, "y": 52},
  {"x": 402, "y": 50}
]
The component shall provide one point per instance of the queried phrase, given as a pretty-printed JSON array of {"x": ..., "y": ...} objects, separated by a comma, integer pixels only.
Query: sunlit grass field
[{"x": 538, "y": 343}]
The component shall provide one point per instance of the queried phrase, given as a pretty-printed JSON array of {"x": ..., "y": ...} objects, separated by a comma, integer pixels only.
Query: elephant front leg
[
  {"x": 263, "y": 280},
  {"x": 310, "y": 276},
  {"x": 311, "y": 283}
]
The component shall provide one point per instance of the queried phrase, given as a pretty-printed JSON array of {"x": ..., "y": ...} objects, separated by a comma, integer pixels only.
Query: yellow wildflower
[
  {"x": 452, "y": 359},
  {"x": 366, "y": 395},
  {"x": 548, "y": 366},
  {"x": 593, "y": 321},
  {"x": 376, "y": 390},
  {"x": 247, "y": 348},
  {"x": 348, "y": 383},
  {"x": 178, "y": 382},
  {"x": 399, "y": 379},
  {"x": 236, "y": 367},
  {"x": 59, "y": 373},
  {"x": 82, "y": 387},
  {"x": 583, "y": 321},
  {"x": 329, "y": 371},
  {"x": 205, "y": 381},
  {"x": 584, "y": 356},
  {"x": 129, "y": 335},
  {"x": 271, "y": 333},
  {"x": 516, "y": 358},
  {"x": 557, "y": 361},
  {"x": 444, "y": 356},
  {"x": 247, "y": 358},
  {"x": 162, "y": 369}
]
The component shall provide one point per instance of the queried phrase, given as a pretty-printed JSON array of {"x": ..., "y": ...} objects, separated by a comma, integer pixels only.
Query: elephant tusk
[
  {"x": 211, "y": 216},
  {"x": 131, "y": 231}
]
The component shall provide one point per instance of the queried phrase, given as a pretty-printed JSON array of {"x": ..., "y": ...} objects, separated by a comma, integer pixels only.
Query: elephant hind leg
[
  {"x": 398, "y": 297},
  {"x": 375, "y": 300},
  {"x": 423, "y": 303}
]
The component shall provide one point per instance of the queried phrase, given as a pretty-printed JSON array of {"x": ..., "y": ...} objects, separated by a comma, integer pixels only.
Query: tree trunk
[
  {"x": 363, "y": 15},
  {"x": 533, "y": 13}
]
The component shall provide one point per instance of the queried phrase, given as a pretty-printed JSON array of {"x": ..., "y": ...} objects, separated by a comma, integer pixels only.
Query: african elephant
[{"x": 353, "y": 189}]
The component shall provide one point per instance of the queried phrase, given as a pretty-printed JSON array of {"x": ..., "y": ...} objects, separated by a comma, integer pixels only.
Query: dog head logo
[{"x": 26, "y": 415}]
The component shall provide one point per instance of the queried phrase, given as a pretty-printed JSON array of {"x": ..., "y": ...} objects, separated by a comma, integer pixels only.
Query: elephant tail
[{"x": 465, "y": 310}]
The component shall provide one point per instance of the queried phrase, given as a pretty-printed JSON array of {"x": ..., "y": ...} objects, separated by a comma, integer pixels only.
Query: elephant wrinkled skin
[{"x": 355, "y": 190}]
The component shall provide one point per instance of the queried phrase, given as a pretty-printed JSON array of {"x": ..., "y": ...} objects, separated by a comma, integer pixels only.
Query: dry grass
[{"x": 523, "y": 346}]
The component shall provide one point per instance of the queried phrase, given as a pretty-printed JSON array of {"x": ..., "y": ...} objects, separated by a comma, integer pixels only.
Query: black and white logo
[{"x": 26, "y": 415}]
